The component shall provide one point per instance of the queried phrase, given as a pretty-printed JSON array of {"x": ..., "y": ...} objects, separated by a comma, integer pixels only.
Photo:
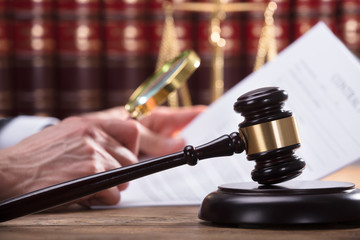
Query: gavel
[{"x": 269, "y": 135}]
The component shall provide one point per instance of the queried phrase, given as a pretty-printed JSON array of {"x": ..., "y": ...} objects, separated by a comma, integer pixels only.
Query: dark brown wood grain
[
  {"x": 150, "y": 223},
  {"x": 177, "y": 222}
]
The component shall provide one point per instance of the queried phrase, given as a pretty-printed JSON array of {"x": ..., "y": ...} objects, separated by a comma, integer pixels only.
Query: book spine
[
  {"x": 201, "y": 88},
  {"x": 6, "y": 88},
  {"x": 78, "y": 56},
  {"x": 183, "y": 27},
  {"x": 349, "y": 29},
  {"x": 33, "y": 39},
  {"x": 232, "y": 32},
  {"x": 170, "y": 34},
  {"x": 254, "y": 23},
  {"x": 126, "y": 52},
  {"x": 307, "y": 13}
]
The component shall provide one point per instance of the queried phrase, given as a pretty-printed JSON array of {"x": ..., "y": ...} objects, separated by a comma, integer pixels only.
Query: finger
[
  {"x": 169, "y": 120},
  {"x": 123, "y": 186},
  {"x": 109, "y": 152},
  {"x": 103, "y": 161},
  {"x": 154, "y": 144},
  {"x": 108, "y": 162},
  {"x": 112, "y": 150},
  {"x": 125, "y": 133},
  {"x": 112, "y": 113},
  {"x": 122, "y": 155},
  {"x": 118, "y": 157},
  {"x": 110, "y": 196}
]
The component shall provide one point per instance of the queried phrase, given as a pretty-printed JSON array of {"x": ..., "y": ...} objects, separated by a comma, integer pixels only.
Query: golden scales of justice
[
  {"x": 169, "y": 47},
  {"x": 174, "y": 68}
]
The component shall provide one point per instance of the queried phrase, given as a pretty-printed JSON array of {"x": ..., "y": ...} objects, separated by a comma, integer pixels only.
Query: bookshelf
[{"x": 67, "y": 57}]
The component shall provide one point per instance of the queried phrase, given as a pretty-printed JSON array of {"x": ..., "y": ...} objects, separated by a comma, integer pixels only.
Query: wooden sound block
[{"x": 290, "y": 203}]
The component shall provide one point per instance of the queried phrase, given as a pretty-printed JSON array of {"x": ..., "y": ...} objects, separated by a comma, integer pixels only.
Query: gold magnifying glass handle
[{"x": 155, "y": 90}]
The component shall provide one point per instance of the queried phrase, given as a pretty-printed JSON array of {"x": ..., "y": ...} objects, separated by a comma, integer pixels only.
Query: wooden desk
[{"x": 158, "y": 223}]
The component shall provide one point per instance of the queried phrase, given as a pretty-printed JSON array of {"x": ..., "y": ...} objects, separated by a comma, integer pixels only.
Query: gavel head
[{"x": 270, "y": 134}]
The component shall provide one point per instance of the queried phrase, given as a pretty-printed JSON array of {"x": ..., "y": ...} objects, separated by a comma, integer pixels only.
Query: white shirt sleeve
[{"x": 22, "y": 127}]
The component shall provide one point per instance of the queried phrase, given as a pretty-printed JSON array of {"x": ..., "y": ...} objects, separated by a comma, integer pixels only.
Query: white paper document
[{"x": 322, "y": 79}]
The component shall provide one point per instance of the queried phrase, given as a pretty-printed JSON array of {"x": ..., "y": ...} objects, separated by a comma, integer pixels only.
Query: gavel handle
[{"x": 62, "y": 193}]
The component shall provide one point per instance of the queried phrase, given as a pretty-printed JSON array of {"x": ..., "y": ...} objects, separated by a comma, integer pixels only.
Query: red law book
[
  {"x": 232, "y": 30},
  {"x": 6, "y": 88},
  {"x": 233, "y": 71},
  {"x": 200, "y": 88},
  {"x": 309, "y": 12},
  {"x": 254, "y": 22},
  {"x": 184, "y": 29},
  {"x": 78, "y": 56},
  {"x": 126, "y": 41},
  {"x": 33, "y": 51},
  {"x": 349, "y": 28}
]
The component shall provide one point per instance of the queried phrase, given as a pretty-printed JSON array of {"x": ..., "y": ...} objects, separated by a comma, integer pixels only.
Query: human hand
[
  {"x": 158, "y": 129},
  {"x": 74, "y": 148},
  {"x": 92, "y": 143}
]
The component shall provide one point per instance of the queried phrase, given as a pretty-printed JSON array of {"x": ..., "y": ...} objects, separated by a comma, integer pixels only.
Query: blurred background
[{"x": 66, "y": 57}]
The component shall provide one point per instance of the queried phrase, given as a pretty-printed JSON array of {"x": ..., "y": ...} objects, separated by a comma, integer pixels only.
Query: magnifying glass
[{"x": 155, "y": 90}]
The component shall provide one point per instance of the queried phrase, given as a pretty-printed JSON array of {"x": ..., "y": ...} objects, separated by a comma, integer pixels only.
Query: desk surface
[{"x": 159, "y": 223}]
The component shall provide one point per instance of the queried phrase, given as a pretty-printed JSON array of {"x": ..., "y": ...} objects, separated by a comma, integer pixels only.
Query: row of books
[{"x": 66, "y": 57}]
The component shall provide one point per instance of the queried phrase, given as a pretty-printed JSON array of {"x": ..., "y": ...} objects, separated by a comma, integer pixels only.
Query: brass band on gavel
[{"x": 271, "y": 135}]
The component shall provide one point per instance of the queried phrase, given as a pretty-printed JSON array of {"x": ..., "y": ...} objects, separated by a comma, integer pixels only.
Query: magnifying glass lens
[{"x": 155, "y": 90}]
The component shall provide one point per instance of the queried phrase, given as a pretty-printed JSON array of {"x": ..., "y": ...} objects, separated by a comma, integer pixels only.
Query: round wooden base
[{"x": 290, "y": 203}]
